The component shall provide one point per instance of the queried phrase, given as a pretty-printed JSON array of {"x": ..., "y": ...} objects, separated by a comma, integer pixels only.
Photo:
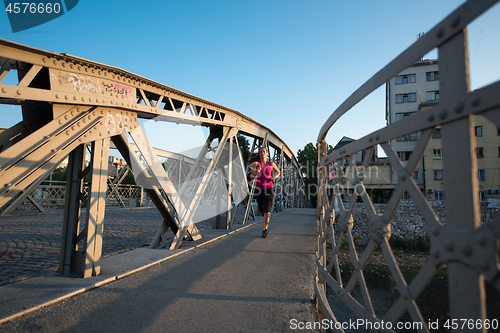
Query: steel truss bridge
[
  {"x": 465, "y": 247},
  {"x": 73, "y": 107}
]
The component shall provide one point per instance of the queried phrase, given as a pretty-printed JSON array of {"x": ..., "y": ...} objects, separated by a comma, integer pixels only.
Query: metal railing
[{"x": 463, "y": 252}]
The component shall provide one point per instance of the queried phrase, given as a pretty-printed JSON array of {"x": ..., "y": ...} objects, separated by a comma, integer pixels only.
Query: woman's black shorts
[{"x": 265, "y": 199}]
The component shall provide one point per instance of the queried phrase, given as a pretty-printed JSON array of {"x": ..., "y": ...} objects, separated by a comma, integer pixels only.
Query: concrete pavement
[{"x": 238, "y": 283}]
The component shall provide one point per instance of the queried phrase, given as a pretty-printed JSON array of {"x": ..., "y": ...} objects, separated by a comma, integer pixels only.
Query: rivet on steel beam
[
  {"x": 79, "y": 68},
  {"x": 66, "y": 116},
  {"x": 475, "y": 101},
  {"x": 100, "y": 134},
  {"x": 74, "y": 98},
  {"x": 4, "y": 90},
  {"x": 482, "y": 240},
  {"x": 484, "y": 265},
  {"x": 19, "y": 92},
  {"x": 467, "y": 249},
  {"x": 455, "y": 22},
  {"x": 53, "y": 150},
  {"x": 84, "y": 120},
  {"x": 55, "y": 62},
  {"x": 66, "y": 97},
  {"x": 80, "y": 139},
  {"x": 89, "y": 116},
  {"x": 60, "y": 121},
  {"x": 105, "y": 73},
  {"x": 78, "y": 124},
  {"x": 7, "y": 185},
  {"x": 109, "y": 132},
  {"x": 449, "y": 245},
  {"x": 57, "y": 96},
  {"x": 90, "y": 99},
  {"x": 83, "y": 99},
  {"x": 72, "y": 113},
  {"x": 63, "y": 64},
  {"x": 86, "y": 69},
  {"x": 430, "y": 117},
  {"x": 435, "y": 231},
  {"x": 71, "y": 66},
  {"x": 440, "y": 32},
  {"x": 442, "y": 114},
  {"x": 370, "y": 139},
  {"x": 67, "y": 132},
  {"x": 44, "y": 60},
  {"x": 435, "y": 253},
  {"x": 72, "y": 128},
  {"x": 377, "y": 137}
]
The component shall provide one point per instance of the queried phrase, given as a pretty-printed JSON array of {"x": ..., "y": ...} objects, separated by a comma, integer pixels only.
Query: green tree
[
  {"x": 129, "y": 179},
  {"x": 244, "y": 147},
  {"x": 308, "y": 161},
  {"x": 59, "y": 174}
]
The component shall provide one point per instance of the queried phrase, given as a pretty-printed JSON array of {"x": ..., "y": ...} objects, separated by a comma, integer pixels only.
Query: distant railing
[
  {"x": 463, "y": 252},
  {"x": 51, "y": 195}
]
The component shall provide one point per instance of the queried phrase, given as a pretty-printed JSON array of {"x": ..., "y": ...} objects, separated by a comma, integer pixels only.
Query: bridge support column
[{"x": 81, "y": 244}]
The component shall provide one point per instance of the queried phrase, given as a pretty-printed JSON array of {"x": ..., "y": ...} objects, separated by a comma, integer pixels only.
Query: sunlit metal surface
[
  {"x": 464, "y": 246},
  {"x": 76, "y": 107}
]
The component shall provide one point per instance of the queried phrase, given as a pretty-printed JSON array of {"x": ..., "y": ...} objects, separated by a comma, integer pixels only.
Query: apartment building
[{"x": 416, "y": 89}]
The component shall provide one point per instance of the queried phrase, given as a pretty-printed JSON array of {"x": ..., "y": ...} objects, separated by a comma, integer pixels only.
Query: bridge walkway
[{"x": 231, "y": 281}]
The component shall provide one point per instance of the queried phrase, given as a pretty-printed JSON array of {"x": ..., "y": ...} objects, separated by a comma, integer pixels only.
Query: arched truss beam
[{"x": 71, "y": 105}]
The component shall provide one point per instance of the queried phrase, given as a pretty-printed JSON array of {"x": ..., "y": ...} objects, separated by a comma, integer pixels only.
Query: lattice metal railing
[
  {"x": 51, "y": 196},
  {"x": 462, "y": 250}
]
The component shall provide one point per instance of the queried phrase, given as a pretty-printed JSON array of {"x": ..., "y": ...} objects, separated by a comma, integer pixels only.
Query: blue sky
[{"x": 288, "y": 64}]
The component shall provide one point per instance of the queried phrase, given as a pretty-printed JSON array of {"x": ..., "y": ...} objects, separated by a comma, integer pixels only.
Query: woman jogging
[{"x": 262, "y": 170}]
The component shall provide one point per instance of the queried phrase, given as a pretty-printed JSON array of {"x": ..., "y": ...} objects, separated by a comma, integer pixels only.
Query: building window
[
  {"x": 498, "y": 152},
  {"x": 404, "y": 155},
  {"x": 479, "y": 130},
  {"x": 437, "y": 133},
  {"x": 407, "y": 78},
  {"x": 498, "y": 131},
  {"x": 411, "y": 137},
  {"x": 480, "y": 152},
  {"x": 416, "y": 175},
  {"x": 406, "y": 196},
  {"x": 433, "y": 95},
  {"x": 439, "y": 195},
  {"x": 438, "y": 174},
  {"x": 480, "y": 174},
  {"x": 437, "y": 153},
  {"x": 482, "y": 196},
  {"x": 432, "y": 76},
  {"x": 404, "y": 115},
  {"x": 406, "y": 98}
]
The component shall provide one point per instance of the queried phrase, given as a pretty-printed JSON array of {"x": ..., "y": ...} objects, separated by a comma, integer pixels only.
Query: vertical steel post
[
  {"x": 96, "y": 207},
  {"x": 466, "y": 287},
  {"x": 72, "y": 211}
]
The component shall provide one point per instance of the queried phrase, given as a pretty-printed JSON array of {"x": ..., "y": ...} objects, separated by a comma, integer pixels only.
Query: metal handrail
[{"x": 467, "y": 248}]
